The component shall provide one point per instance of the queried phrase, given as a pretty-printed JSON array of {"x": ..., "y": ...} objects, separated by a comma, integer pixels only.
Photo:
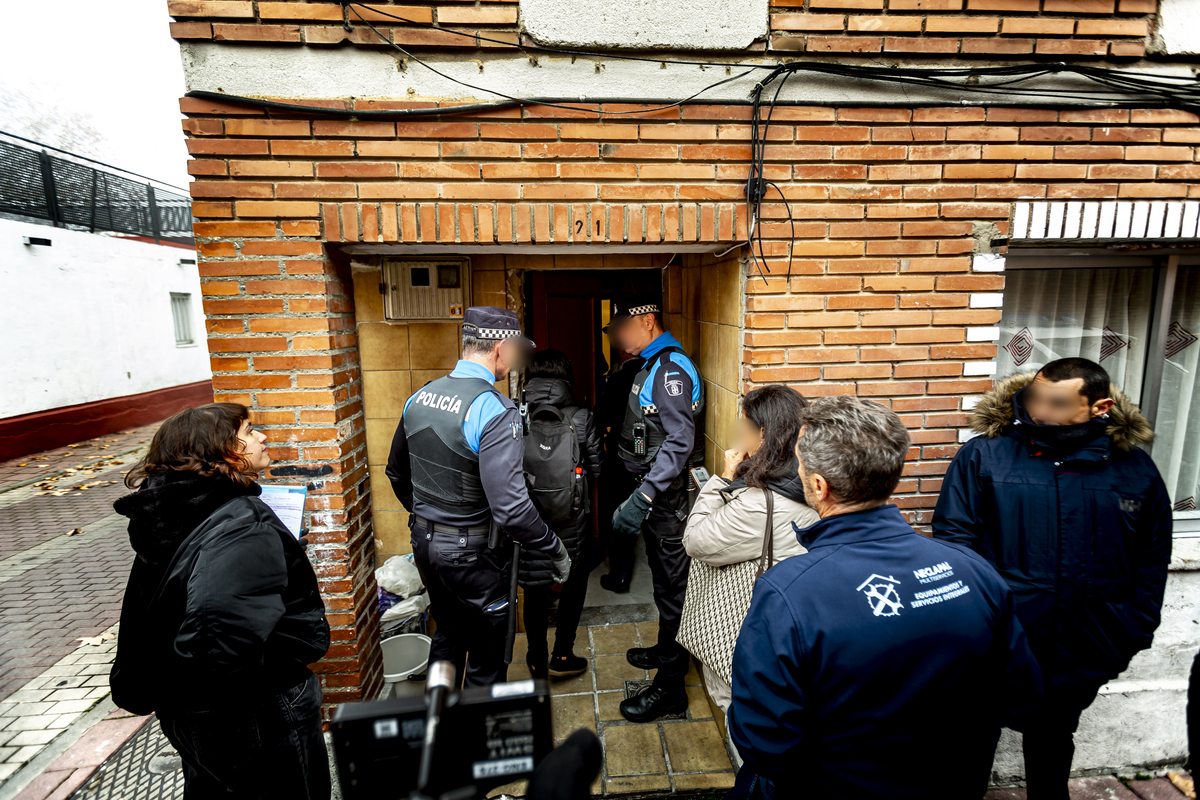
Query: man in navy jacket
[
  {"x": 880, "y": 651},
  {"x": 1056, "y": 494}
]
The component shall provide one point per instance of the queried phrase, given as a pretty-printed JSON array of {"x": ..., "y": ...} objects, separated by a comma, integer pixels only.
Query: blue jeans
[{"x": 272, "y": 750}]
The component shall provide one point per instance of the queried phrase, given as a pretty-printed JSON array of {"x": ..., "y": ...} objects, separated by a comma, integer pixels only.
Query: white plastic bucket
[{"x": 404, "y": 657}]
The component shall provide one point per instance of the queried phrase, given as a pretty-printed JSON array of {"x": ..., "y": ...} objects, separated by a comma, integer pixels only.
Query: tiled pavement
[
  {"x": 18, "y": 471},
  {"x": 57, "y": 590},
  {"x": 71, "y": 589},
  {"x": 666, "y": 755}
]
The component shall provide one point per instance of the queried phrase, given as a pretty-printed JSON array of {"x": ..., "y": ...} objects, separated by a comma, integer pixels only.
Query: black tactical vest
[
  {"x": 445, "y": 471},
  {"x": 637, "y": 414}
]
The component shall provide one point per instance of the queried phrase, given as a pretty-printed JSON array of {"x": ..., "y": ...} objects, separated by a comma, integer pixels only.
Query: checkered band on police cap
[{"x": 489, "y": 322}]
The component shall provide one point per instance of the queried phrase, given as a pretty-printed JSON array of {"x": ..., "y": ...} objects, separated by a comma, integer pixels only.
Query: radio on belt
[
  {"x": 488, "y": 736},
  {"x": 639, "y": 438}
]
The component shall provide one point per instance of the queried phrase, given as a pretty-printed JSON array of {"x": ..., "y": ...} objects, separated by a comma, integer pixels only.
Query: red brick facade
[
  {"x": 1087, "y": 29},
  {"x": 888, "y": 207}
]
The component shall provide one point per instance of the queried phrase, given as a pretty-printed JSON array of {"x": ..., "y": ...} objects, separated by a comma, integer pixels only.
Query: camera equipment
[{"x": 445, "y": 743}]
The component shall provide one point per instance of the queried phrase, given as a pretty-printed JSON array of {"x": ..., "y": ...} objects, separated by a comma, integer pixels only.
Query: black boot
[
  {"x": 616, "y": 582},
  {"x": 655, "y": 702},
  {"x": 643, "y": 657}
]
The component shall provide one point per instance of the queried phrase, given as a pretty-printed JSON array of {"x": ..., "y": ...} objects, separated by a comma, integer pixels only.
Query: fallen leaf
[
  {"x": 74, "y": 531},
  {"x": 22, "y": 465}
]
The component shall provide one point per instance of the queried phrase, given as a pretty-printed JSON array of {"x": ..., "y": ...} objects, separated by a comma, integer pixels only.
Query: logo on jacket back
[
  {"x": 882, "y": 595},
  {"x": 935, "y": 573},
  {"x": 1130, "y": 506}
]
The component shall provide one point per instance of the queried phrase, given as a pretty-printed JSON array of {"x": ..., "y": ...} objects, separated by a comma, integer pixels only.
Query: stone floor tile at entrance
[{"x": 667, "y": 755}]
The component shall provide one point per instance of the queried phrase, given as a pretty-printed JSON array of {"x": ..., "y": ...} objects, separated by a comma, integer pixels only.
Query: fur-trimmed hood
[{"x": 1126, "y": 426}]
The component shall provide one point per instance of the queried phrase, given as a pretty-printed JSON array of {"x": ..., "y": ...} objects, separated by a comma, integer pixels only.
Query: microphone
[{"x": 439, "y": 684}]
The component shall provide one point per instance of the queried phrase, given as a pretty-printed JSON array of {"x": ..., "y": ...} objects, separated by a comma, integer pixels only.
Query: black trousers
[
  {"x": 570, "y": 608},
  {"x": 254, "y": 752},
  {"x": 614, "y": 487},
  {"x": 669, "y": 564},
  {"x": 468, "y": 593},
  {"x": 1049, "y": 740}
]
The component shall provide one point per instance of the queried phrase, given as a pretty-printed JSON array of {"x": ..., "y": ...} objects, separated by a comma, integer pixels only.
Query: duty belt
[{"x": 456, "y": 530}]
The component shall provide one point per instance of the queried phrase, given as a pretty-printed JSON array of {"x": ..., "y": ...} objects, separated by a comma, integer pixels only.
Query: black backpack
[{"x": 553, "y": 463}]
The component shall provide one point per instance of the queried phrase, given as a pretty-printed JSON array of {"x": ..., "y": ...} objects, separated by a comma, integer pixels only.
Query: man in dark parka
[{"x": 1057, "y": 495}]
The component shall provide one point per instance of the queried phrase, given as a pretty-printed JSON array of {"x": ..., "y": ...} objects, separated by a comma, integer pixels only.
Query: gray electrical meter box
[{"x": 437, "y": 289}]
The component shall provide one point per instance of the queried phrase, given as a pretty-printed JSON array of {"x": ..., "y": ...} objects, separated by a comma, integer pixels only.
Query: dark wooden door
[{"x": 563, "y": 311}]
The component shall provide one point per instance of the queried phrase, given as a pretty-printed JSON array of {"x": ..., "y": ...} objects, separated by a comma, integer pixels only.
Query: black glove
[{"x": 630, "y": 515}]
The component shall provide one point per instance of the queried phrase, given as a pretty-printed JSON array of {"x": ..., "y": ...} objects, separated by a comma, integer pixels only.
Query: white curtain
[
  {"x": 1099, "y": 314},
  {"x": 1177, "y": 429}
]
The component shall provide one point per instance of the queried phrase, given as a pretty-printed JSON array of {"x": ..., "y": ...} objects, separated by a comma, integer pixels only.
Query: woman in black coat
[
  {"x": 222, "y": 615},
  {"x": 548, "y": 382}
]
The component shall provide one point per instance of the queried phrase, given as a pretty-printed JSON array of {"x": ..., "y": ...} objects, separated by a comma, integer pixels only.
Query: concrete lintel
[
  {"x": 527, "y": 249},
  {"x": 306, "y": 72}
]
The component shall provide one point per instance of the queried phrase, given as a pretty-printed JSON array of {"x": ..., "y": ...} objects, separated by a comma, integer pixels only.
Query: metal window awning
[{"x": 1136, "y": 223}]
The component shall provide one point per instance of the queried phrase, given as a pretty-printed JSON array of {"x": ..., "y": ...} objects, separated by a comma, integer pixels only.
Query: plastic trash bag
[
  {"x": 405, "y": 609},
  {"x": 399, "y": 576}
]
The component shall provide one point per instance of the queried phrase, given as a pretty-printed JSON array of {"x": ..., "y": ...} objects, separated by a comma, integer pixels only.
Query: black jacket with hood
[
  {"x": 222, "y": 605},
  {"x": 1076, "y": 519},
  {"x": 536, "y": 567}
]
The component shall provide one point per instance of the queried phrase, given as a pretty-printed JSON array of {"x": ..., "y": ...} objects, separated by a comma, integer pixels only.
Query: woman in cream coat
[{"x": 729, "y": 520}]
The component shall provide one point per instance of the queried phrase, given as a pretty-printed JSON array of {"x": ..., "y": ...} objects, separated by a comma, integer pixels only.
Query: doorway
[{"x": 566, "y": 309}]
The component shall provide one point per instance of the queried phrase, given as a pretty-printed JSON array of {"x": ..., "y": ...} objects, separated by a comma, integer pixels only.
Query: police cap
[
  {"x": 634, "y": 306},
  {"x": 489, "y": 322}
]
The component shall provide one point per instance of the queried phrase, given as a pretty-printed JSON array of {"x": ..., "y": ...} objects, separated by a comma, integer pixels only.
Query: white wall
[
  {"x": 89, "y": 318},
  {"x": 646, "y": 24},
  {"x": 1180, "y": 28},
  {"x": 1138, "y": 722}
]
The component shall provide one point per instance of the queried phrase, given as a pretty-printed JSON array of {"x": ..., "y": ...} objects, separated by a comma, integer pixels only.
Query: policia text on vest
[
  {"x": 662, "y": 436},
  {"x": 456, "y": 465}
]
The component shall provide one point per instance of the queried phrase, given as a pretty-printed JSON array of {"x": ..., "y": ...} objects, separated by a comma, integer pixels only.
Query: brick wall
[
  {"x": 997, "y": 29},
  {"x": 886, "y": 202},
  {"x": 886, "y": 205}
]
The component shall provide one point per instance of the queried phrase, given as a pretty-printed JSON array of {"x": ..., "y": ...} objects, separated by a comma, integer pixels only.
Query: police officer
[
  {"x": 456, "y": 465},
  {"x": 661, "y": 438}
]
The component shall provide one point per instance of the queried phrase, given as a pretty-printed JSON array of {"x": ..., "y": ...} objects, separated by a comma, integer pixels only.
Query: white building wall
[
  {"x": 1138, "y": 722},
  {"x": 89, "y": 318}
]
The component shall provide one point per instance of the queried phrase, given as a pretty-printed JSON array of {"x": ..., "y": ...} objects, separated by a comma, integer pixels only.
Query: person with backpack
[
  {"x": 222, "y": 615},
  {"x": 562, "y": 454}
]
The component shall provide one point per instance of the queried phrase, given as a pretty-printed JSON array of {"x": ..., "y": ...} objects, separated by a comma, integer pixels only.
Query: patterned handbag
[{"x": 717, "y": 601}]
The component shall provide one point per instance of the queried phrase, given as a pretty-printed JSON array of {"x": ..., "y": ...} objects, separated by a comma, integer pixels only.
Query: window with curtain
[
  {"x": 1099, "y": 314},
  {"x": 1107, "y": 315},
  {"x": 1177, "y": 424}
]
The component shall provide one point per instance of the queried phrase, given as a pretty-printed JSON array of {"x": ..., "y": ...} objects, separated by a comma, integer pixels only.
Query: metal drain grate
[{"x": 144, "y": 768}]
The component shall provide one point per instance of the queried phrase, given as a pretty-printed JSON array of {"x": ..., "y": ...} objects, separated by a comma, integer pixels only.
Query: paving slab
[
  {"x": 1102, "y": 788},
  {"x": 1157, "y": 789}
]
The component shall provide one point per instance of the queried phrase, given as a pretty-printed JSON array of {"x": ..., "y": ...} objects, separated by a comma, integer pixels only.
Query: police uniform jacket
[
  {"x": 492, "y": 429},
  {"x": 672, "y": 386}
]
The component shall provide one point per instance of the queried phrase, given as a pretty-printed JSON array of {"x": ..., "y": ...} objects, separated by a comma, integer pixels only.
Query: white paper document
[{"x": 288, "y": 504}]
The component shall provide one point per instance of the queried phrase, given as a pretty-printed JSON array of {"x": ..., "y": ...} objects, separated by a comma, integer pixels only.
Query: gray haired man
[{"x": 876, "y": 647}]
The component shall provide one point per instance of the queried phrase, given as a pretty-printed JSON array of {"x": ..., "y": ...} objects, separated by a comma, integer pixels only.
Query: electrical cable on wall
[{"x": 1120, "y": 90}]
